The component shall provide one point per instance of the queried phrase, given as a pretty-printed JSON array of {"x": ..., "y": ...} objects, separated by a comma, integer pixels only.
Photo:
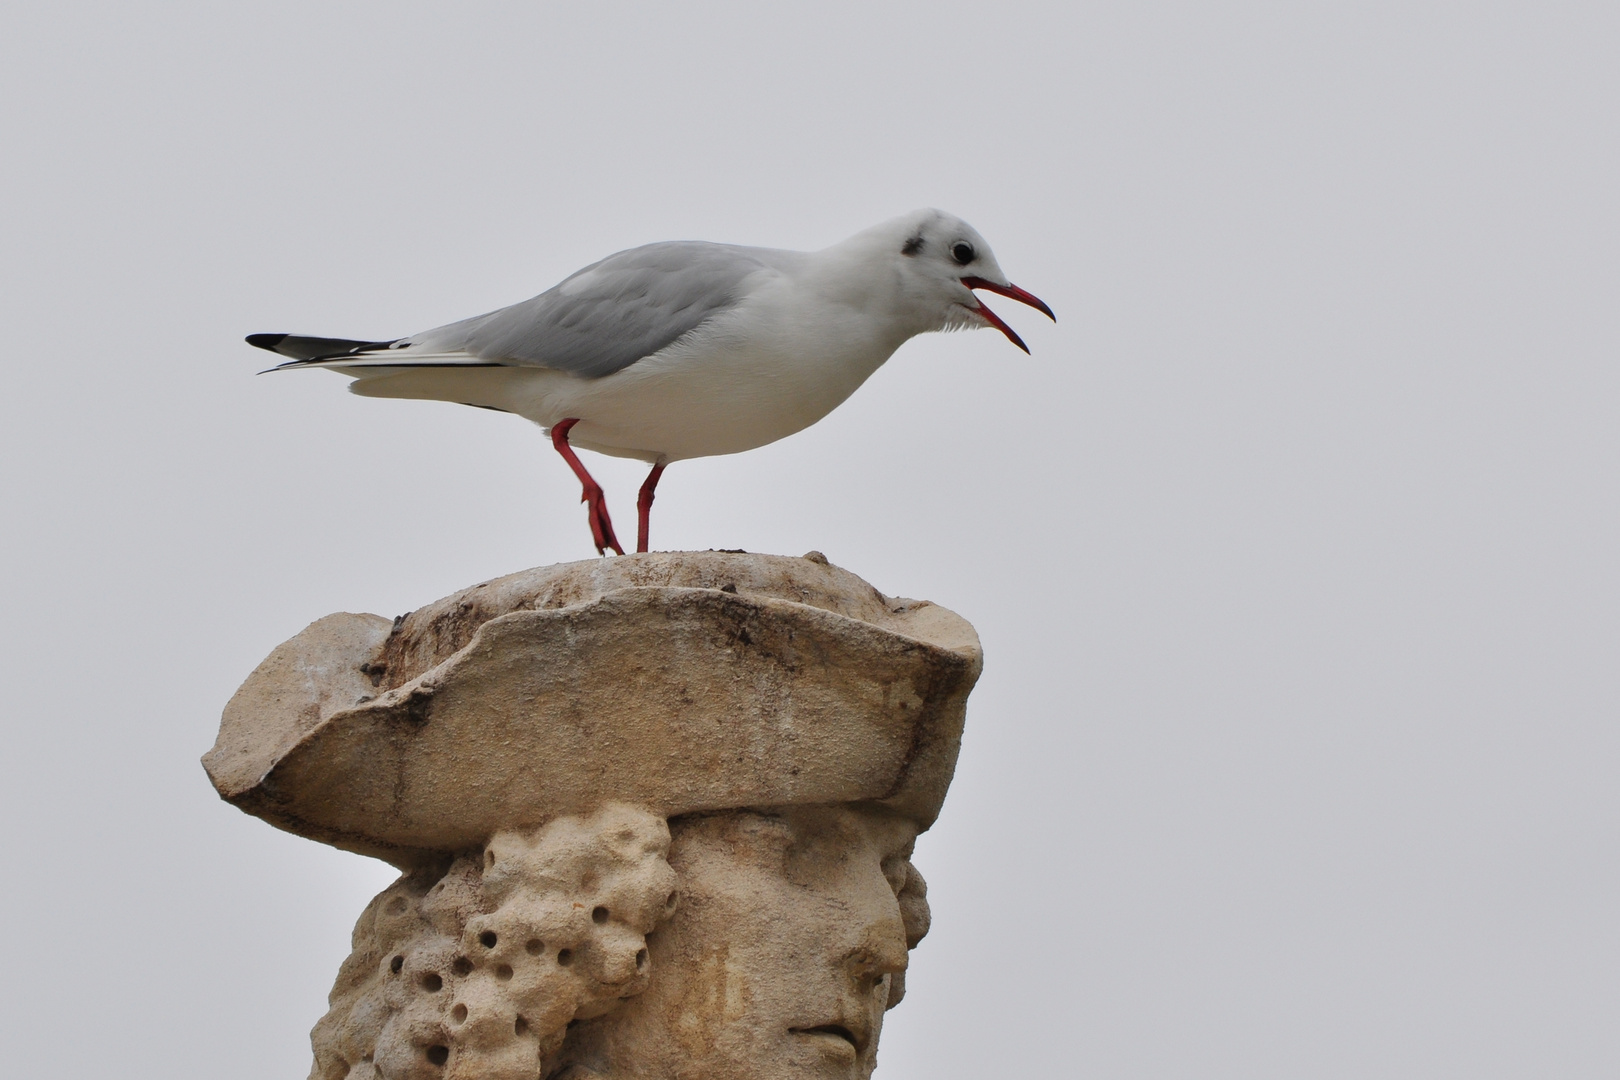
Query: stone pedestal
[{"x": 654, "y": 815}]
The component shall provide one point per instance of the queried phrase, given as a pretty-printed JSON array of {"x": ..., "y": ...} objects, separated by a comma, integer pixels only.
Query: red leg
[
  {"x": 644, "y": 503},
  {"x": 601, "y": 524}
]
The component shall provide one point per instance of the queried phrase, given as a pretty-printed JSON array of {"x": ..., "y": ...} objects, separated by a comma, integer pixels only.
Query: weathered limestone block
[{"x": 655, "y": 815}]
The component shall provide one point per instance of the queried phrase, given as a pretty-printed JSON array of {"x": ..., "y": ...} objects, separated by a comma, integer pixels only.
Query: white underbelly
[
  {"x": 689, "y": 401},
  {"x": 720, "y": 404}
]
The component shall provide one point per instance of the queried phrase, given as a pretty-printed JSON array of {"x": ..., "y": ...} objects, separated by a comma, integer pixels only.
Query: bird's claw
[{"x": 601, "y": 523}]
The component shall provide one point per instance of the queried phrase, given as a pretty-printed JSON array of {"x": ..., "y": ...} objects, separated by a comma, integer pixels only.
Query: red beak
[{"x": 1012, "y": 292}]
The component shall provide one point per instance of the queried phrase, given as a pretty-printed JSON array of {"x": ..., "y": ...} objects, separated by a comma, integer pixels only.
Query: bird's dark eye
[{"x": 962, "y": 252}]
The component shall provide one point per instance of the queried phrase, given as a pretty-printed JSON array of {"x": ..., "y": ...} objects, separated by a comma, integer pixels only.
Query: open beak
[{"x": 1012, "y": 292}]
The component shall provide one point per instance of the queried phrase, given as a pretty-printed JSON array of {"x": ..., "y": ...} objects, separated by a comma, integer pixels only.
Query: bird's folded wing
[{"x": 602, "y": 319}]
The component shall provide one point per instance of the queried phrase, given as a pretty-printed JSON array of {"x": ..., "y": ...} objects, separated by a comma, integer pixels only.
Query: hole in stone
[
  {"x": 432, "y": 983},
  {"x": 534, "y": 946},
  {"x": 487, "y": 939},
  {"x": 669, "y": 901},
  {"x": 565, "y": 957},
  {"x": 397, "y": 905},
  {"x": 641, "y": 959},
  {"x": 395, "y": 964},
  {"x": 462, "y": 966},
  {"x": 520, "y": 1026},
  {"x": 503, "y": 972},
  {"x": 438, "y": 1054},
  {"x": 599, "y": 915},
  {"x": 489, "y": 858},
  {"x": 459, "y": 1014}
]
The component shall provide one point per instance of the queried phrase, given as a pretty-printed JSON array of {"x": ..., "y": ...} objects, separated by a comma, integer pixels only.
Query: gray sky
[{"x": 1293, "y": 547}]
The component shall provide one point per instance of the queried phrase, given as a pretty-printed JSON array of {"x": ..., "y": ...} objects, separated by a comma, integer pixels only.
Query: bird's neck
[{"x": 860, "y": 275}]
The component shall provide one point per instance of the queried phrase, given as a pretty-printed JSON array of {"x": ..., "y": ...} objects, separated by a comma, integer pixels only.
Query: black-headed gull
[{"x": 687, "y": 349}]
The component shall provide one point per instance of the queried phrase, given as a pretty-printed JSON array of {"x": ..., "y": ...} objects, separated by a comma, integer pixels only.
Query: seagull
[{"x": 688, "y": 349}]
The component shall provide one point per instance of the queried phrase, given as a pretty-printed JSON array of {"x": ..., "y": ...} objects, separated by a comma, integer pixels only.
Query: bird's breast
[{"x": 760, "y": 374}]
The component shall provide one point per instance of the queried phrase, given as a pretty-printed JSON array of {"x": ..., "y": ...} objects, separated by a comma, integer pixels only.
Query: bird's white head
[{"x": 938, "y": 260}]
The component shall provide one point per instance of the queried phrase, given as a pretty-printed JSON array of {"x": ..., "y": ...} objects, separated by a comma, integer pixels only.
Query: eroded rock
[{"x": 655, "y": 815}]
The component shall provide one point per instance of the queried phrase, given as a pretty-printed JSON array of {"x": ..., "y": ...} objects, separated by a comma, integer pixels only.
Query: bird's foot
[{"x": 601, "y": 523}]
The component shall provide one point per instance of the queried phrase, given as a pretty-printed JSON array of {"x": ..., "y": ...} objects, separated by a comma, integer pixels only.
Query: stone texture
[
  {"x": 655, "y": 815},
  {"x": 674, "y": 681},
  {"x": 789, "y": 945},
  {"x": 476, "y": 975}
]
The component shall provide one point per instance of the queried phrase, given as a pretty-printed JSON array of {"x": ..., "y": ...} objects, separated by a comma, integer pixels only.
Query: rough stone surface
[
  {"x": 789, "y": 945},
  {"x": 478, "y": 973},
  {"x": 655, "y": 815},
  {"x": 674, "y": 681}
]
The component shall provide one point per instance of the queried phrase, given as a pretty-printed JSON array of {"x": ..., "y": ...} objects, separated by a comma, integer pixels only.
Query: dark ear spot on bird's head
[{"x": 912, "y": 246}]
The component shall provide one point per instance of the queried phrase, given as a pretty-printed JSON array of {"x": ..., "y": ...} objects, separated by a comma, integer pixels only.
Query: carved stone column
[{"x": 654, "y": 815}]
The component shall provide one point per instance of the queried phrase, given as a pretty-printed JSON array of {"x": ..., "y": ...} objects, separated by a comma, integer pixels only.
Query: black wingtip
[{"x": 303, "y": 347}]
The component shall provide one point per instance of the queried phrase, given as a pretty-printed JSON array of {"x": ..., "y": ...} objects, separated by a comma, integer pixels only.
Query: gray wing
[{"x": 610, "y": 314}]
